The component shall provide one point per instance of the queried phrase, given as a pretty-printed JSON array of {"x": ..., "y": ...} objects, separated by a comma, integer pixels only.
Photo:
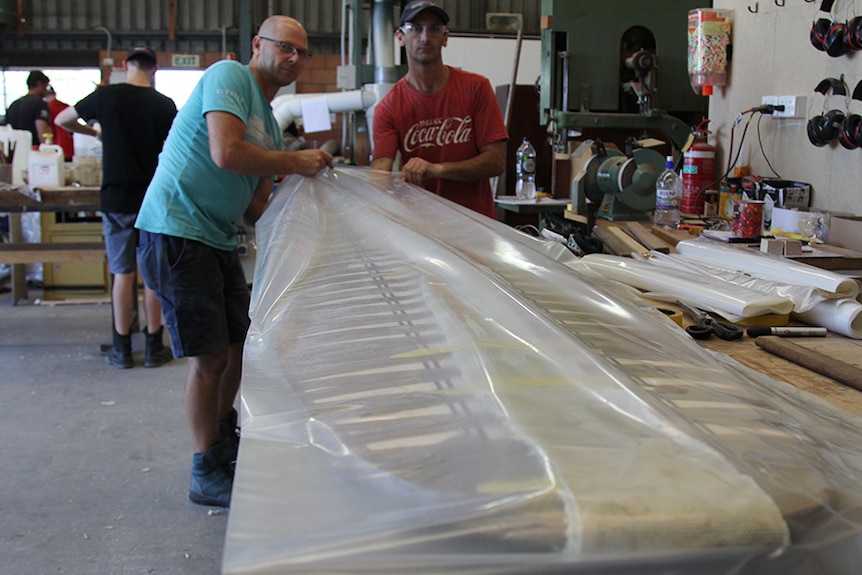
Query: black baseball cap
[
  {"x": 414, "y": 8},
  {"x": 142, "y": 53}
]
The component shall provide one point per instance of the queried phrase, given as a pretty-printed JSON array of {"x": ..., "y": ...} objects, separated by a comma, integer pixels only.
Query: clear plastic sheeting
[
  {"x": 428, "y": 391},
  {"x": 766, "y": 266},
  {"x": 804, "y": 297},
  {"x": 731, "y": 301}
]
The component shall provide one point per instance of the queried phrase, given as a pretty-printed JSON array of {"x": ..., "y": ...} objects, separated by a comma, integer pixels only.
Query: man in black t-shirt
[
  {"x": 135, "y": 120},
  {"x": 30, "y": 112}
]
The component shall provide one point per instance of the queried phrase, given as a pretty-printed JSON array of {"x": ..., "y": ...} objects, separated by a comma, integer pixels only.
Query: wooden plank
[
  {"x": 24, "y": 253},
  {"x": 14, "y": 199},
  {"x": 50, "y": 200},
  {"x": 830, "y": 258},
  {"x": 672, "y": 237},
  {"x": 70, "y": 196},
  {"x": 644, "y": 235},
  {"x": 617, "y": 242},
  {"x": 581, "y": 219}
]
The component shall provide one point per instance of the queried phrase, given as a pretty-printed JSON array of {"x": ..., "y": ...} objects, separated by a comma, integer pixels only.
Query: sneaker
[
  {"x": 211, "y": 483},
  {"x": 228, "y": 434}
]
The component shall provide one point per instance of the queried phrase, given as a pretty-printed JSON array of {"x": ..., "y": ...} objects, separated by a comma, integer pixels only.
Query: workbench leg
[{"x": 19, "y": 271}]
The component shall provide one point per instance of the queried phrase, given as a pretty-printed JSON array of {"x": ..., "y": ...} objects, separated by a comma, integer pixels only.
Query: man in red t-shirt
[
  {"x": 62, "y": 136},
  {"x": 445, "y": 122}
]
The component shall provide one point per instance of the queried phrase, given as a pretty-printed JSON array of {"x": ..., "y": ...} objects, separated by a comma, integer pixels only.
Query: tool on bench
[
  {"x": 706, "y": 326},
  {"x": 813, "y": 360}
]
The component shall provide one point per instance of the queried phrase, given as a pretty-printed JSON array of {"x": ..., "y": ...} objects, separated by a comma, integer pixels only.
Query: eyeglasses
[
  {"x": 416, "y": 30},
  {"x": 289, "y": 49}
]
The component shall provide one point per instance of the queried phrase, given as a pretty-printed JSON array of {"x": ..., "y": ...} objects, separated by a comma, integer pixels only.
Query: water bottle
[
  {"x": 668, "y": 195},
  {"x": 525, "y": 169}
]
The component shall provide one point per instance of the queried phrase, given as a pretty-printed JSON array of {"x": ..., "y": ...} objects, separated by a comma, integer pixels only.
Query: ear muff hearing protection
[
  {"x": 851, "y": 127},
  {"x": 826, "y": 127},
  {"x": 820, "y": 27},
  {"x": 835, "y": 42},
  {"x": 854, "y": 33}
]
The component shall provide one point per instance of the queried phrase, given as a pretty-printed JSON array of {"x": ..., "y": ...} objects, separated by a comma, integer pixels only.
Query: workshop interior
[{"x": 648, "y": 363}]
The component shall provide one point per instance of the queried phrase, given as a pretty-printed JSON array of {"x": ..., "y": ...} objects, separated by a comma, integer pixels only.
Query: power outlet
[
  {"x": 766, "y": 100},
  {"x": 789, "y": 103},
  {"x": 793, "y": 105}
]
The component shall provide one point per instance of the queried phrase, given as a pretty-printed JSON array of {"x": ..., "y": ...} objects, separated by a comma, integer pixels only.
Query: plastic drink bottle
[
  {"x": 525, "y": 169},
  {"x": 668, "y": 194}
]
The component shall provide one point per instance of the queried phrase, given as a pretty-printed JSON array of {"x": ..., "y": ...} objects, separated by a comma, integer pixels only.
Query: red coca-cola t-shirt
[{"x": 448, "y": 126}]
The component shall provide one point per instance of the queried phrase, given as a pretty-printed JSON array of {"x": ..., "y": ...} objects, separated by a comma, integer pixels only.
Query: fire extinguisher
[{"x": 698, "y": 171}]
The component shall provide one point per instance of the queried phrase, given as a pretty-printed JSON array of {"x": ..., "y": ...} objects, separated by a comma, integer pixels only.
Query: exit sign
[{"x": 185, "y": 61}]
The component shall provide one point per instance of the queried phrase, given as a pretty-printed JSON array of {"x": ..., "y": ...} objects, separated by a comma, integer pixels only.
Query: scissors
[{"x": 706, "y": 326}]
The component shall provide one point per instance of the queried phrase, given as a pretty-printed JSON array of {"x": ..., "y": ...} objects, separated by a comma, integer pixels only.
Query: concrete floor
[{"x": 94, "y": 460}]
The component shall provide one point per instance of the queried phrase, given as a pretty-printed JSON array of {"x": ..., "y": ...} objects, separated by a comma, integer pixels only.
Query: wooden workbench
[
  {"x": 15, "y": 201},
  {"x": 841, "y": 348},
  {"x": 746, "y": 352}
]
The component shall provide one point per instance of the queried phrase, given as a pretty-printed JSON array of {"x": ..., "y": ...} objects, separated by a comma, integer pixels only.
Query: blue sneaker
[{"x": 211, "y": 482}]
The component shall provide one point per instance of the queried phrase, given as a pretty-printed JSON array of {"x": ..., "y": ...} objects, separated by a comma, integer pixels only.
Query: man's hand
[
  {"x": 310, "y": 162},
  {"x": 417, "y": 170}
]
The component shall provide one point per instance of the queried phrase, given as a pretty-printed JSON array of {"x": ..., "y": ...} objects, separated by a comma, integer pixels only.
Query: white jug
[
  {"x": 46, "y": 168},
  {"x": 21, "y": 140}
]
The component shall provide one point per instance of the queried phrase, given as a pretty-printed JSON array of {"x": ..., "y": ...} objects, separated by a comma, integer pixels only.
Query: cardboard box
[
  {"x": 846, "y": 232},
  {"x": 787, "y": 194},
  {"x": 782, "y": 194}
]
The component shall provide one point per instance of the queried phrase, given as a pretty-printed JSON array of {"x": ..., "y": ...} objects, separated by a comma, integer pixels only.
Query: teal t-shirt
[{"x": 189, "y": 195}]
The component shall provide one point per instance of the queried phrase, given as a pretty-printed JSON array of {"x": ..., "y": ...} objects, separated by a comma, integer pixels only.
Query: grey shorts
[
  {"x": 203, "y": 292},
  {"x": 121, "y": 240}
]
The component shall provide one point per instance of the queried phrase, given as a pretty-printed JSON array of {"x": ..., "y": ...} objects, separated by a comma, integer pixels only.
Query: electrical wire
[
  {"x": 730, "y": 164},
  {"x": 767, "y": 109},
  {"x": 762, "y": 151}
]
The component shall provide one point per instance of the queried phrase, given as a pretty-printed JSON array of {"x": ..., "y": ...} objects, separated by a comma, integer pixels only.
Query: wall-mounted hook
[
  {"x": 780, "y": 4},
  {"x": 756, "y": 8}
]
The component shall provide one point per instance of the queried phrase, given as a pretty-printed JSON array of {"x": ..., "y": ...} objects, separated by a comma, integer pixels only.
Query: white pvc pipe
[
  {"x": 766, "y": 266},
  {"x": 728, "y": 300},
  {"x": 842, "y": 316},
  {"x": 289, "y": 106}
]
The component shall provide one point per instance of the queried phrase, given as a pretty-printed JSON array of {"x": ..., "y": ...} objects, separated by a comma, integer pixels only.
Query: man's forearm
[
  {"x": 489, "y": 163},
  {"x": 68, "y": 120}
]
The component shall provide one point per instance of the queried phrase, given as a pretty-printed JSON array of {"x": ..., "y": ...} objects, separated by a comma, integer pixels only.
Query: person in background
[
  {"x": 31, "y": 112},
  {"x": 135, "y": 120},
  {"x": 219, "y": 164},
  {"x": 62, "y": 136},
  {"x": 445, "y": 122}
]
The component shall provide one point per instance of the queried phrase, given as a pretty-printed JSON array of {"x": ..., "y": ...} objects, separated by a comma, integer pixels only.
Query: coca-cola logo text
[{"x": 438, "y": 132}]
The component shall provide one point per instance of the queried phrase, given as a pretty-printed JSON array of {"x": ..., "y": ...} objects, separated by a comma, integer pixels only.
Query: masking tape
[{"x": 674, "y": 315}]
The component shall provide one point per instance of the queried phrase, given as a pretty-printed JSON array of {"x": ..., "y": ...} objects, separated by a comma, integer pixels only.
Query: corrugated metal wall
[{"x": 61, "y": 32}]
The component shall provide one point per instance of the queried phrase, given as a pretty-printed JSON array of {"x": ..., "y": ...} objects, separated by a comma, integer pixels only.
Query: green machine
[{"x": 617, "y": 68}]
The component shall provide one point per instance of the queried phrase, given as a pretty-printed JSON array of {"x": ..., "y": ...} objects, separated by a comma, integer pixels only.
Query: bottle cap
[{"x": 668, "y": 162}]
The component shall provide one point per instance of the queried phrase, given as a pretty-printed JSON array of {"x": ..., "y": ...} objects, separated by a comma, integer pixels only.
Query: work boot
[
  {"x": 120, "y": 354},
  {"x": 211, "y": 483},
  {"x": 228, "y": 435},
  {"x": 156, "y": 353}
]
